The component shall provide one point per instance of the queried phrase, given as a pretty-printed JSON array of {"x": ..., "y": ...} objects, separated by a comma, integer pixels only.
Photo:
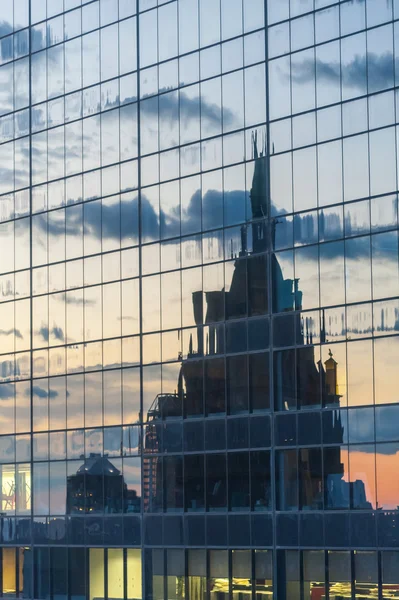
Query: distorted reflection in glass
[
  {"x": 339, "y": 566},
  {"x": 313, "y": 573},
  {"x": 197, "y": 581},
  {"x": 219, "y": 574},
  {"x": 390, "y": 565},
  {"x": 385, "y": 351},
  {"x": 288, "y": 561}
]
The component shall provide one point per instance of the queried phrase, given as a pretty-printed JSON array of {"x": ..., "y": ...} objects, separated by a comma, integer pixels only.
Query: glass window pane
[
  {"x": 96, "y": 573},
  {"x": 385, "y": 351},
  {"x": 313, "y": 573},
  {"x": 219, "y": 574},
  {"x": 289, "y": 565},
  {"x": 339, "y": 565},
  {"x": 133, "y": 573}
]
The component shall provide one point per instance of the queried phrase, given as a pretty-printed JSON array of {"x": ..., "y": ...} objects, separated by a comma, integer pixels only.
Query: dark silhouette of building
[
  {"x": 98, "y": 486},
  {"x": 299, "y": 376}
]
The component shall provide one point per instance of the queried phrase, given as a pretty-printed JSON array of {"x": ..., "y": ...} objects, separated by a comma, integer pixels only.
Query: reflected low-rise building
[{"x": 199, "y": 299}]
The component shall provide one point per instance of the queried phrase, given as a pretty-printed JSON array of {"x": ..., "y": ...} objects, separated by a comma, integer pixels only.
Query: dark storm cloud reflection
[
  {"x": 107, "y": 221},
  {"x": 102, "y": 220}
]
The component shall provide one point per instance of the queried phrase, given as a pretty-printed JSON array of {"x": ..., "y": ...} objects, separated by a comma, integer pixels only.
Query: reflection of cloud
[
  {"x": 57, "y": 332},
  {"x": 127, "y": 318},
  {"x": 6, "y": 391},
  {"x": 305, "y": 71},
  {"x": 171, "y": 104},
  {"x": 387, "y": 449},
  {"x": 102, "y": 220},
  {"x": 385, "y": 245},
  {"x": 209, "y": 112},
  {"x": 45, "y": 333},
  {"x": 41, "y": 392},
  {"x": 169, "y": 372},
  {"x": 150, "y": 218},
  {"x": 233, "y": 202},
  {"x": 75, "y": 300},
  {"x": 387, "y": 426},
  {"x": 13, "y": 331},
  {"x": 378, "y": 67},
  {"x": 361, "y": 427}
]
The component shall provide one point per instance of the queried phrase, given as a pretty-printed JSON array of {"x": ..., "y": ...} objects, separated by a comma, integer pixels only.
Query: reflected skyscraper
[{"x": 99, "y": 487}]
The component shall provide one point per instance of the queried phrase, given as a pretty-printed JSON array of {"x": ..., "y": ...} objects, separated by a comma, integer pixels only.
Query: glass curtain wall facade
[{"x": 199, "y": 299}]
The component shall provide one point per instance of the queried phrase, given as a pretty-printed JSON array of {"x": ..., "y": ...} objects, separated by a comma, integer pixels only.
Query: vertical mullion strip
[
  {"x": 1, "y": 571},
  {"x": 125, "y": 573},
  {"x": 105, "y": 562},
  {"x": 31, "y": 270},
  {"x": 270, "y": 226},
  {"x": 379, "y": 575},
  {"x": 143, "y": 561}
]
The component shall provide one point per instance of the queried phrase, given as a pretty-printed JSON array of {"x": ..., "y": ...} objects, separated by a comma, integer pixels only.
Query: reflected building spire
[{"x": 258, "y": 197}]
